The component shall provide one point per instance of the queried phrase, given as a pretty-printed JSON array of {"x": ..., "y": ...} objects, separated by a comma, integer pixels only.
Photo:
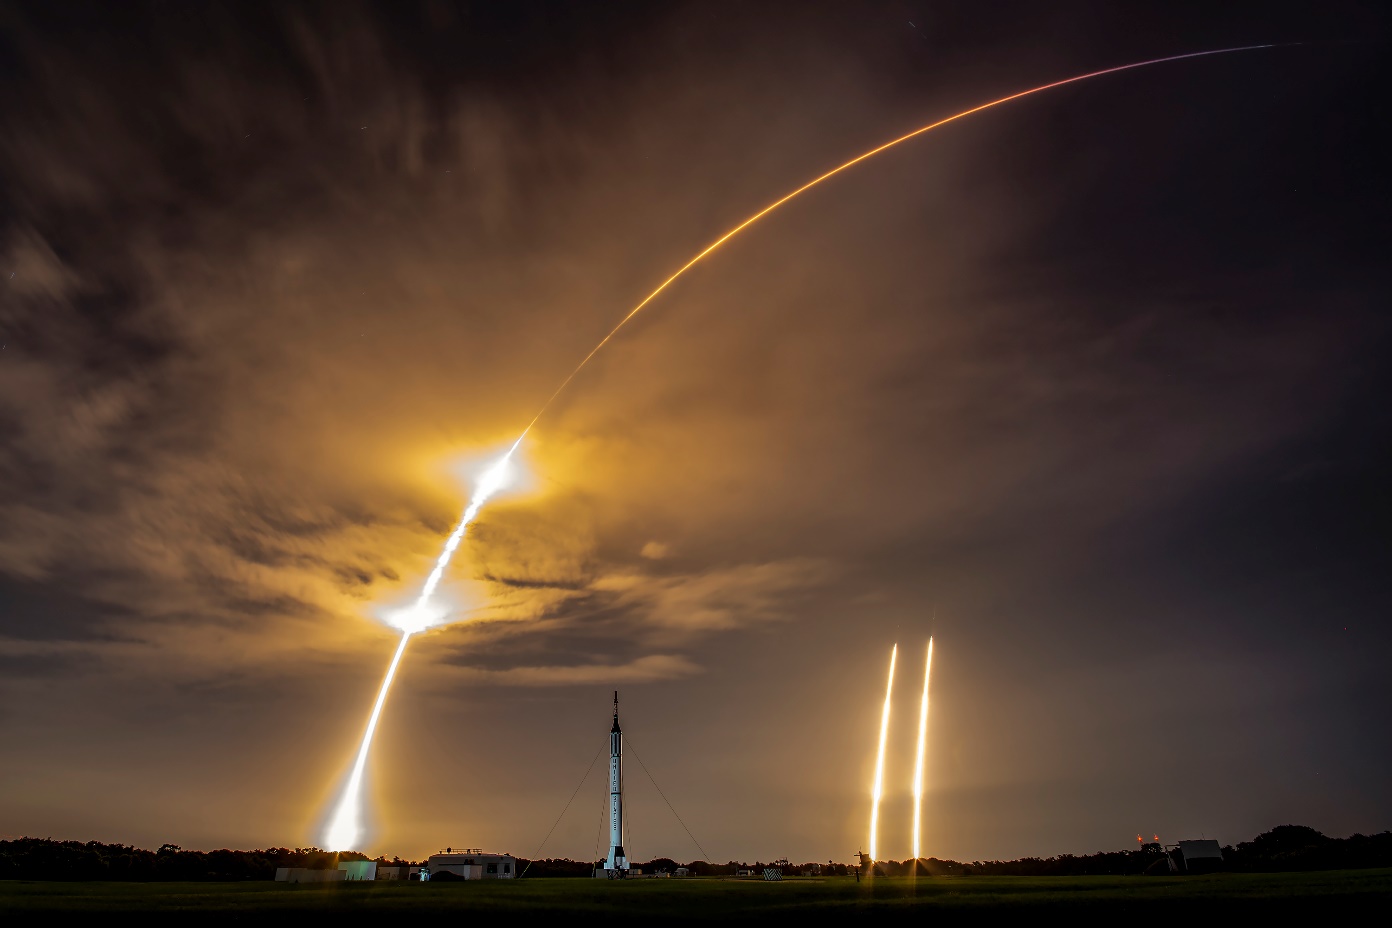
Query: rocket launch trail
[
  {"x": 345, "y": 829},
  {"x": 843, "y": 167}
]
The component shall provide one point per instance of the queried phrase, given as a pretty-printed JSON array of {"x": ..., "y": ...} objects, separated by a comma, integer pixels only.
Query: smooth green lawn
[{"x": 976, "y": 899}]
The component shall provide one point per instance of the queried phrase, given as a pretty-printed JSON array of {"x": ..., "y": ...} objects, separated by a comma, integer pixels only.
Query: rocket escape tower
[{"x": 616, "y": 864}]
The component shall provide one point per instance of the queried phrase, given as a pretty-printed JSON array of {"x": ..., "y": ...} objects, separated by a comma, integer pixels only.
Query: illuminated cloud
[{"x": 647, "y": 669}]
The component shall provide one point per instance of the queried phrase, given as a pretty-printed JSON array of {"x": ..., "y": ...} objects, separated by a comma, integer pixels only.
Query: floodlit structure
[
  {"x": 359, "y": 870},
  {"x": 616, "y": 864},
  {"x": 473, "y": 864}
]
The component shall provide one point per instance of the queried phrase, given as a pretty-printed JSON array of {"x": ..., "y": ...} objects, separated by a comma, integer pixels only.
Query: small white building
[{"x": 473, "y": 864}]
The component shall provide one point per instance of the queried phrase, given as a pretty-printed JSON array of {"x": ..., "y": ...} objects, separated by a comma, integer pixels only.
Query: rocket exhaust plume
[
  {"x": 346, "y": 826},
  {"x": 490, "y": 482},
  {"x": 922, "y": 749},
  {"x": 419, "y": 617},
  {"x": 880, "y": 760}
]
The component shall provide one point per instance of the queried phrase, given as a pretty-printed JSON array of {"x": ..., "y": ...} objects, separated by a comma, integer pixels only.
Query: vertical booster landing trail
[
  {"x": 345, "y": 821},
  {"x": 922, "y": 752},
  {"x": 879, "y": 761}
]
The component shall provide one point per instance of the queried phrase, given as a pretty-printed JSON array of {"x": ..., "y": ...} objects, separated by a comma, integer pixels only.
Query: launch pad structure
[{"x": 616, "y": 863}]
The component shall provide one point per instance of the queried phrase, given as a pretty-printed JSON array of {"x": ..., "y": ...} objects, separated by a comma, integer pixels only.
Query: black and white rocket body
[{"x": 616, "y": 864}]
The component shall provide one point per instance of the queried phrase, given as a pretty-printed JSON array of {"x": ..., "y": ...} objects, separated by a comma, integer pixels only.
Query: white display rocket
[{"x": 616, "y": 865}]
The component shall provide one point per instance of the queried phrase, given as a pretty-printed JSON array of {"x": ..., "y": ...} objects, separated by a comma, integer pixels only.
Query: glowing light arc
[{"x": 842, "y": 167}]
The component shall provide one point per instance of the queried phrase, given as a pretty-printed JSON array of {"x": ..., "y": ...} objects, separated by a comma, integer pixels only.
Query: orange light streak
[
  {"x": 880, "y": 759},
  {"x": 346, "y": 826},
  {"x": 922, "y": 752},
  {"x": 837, "y": 170}
]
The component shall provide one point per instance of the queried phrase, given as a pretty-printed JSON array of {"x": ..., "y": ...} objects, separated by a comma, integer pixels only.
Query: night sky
[{"x": 1093, "y": 387}]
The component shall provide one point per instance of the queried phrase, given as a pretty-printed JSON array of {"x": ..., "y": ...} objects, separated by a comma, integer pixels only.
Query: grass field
[{"x": 1278, "y": 896}]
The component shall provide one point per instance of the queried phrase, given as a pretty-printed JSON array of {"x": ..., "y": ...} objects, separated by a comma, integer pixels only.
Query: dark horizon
[
  {"x": 1090, "y": 387},
  {"x": 1283, "y": 848}
]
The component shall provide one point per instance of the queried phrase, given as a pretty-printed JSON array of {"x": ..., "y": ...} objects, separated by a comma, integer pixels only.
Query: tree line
[
  {"x": 1287, "y": 847},
  {"x": 1284, "y": 848},
  {"x": 47, "y": 859}
]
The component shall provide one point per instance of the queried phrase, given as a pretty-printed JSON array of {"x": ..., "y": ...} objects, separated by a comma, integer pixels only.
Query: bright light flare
[
  {"x": 922, "y": 751},
  {"x": 495, "y": 478},
  {"x": 880, "y": 760},
  {"x": 417, "y": 617}
]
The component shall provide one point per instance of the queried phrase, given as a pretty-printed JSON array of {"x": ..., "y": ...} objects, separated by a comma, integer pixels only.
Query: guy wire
[{"x": 563, "y": 812}]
